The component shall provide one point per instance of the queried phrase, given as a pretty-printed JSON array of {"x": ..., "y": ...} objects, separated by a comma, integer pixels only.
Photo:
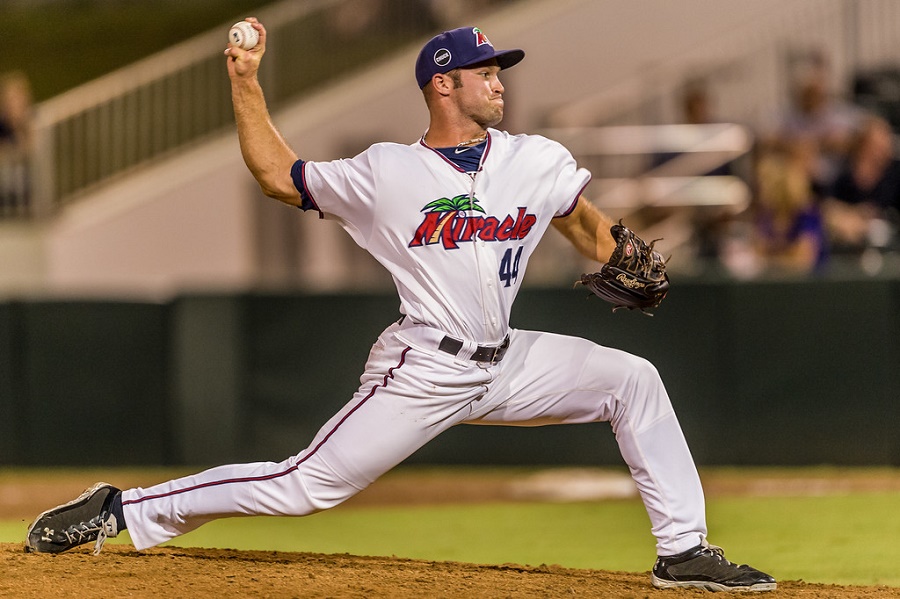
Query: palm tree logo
[{"x": 450, "y": 207}]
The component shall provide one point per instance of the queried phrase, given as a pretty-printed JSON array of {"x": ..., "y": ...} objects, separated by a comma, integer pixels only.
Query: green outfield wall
[{"x": 768, "y": 373}]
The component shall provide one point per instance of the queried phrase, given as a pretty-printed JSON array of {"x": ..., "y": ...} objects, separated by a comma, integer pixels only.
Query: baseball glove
[{"x": 635, "y": 275}]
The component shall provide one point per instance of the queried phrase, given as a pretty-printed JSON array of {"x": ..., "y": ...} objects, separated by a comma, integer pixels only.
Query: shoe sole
[
  {"x": 761, "y": 587},
  {"x": 36, "y": 545}
]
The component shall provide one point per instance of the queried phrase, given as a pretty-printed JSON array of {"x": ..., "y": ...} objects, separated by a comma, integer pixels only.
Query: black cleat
[
  {"x": 84, "y": 519},
  {"x": 705, "y": 567}
]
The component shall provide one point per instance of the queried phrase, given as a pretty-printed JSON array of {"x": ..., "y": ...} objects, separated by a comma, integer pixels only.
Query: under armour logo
[{"x": 48, "y": 534}]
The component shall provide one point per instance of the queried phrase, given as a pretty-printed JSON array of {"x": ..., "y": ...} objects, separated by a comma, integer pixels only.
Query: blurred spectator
[
  {"x": 696, "y": 104},
  {"x": 15, "y": 110},
  {"x": 15, "y": 141},
  {"x": 790, "y": 233},
  {"x": 354, "y": 17},
  {"x": 863, "y": 205},
  {"x": 817, "y": 116},
  {"x": 696, "y": 109}
]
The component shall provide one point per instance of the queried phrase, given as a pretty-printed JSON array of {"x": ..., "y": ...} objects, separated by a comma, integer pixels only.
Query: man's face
[{"x": 479, "y": 94}]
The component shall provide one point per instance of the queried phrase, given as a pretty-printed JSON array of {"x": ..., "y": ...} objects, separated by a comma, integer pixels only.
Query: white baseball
[{"x": 243, "y": 35}]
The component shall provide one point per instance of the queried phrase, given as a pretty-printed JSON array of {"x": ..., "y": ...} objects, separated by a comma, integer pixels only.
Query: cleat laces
[
  {"x": 98, "y": 528},
  {"x": 719, "y": 553},
  {"x": 105, "y": 530}
]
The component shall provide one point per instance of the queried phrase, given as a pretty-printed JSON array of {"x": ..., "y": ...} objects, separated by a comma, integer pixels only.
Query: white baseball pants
[{"x": 410, "y": 393}]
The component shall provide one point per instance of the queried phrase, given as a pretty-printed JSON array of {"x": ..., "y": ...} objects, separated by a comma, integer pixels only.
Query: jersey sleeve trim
[
  {"x": 571, "y": 207},
  {"x": 298, "y": 174}
]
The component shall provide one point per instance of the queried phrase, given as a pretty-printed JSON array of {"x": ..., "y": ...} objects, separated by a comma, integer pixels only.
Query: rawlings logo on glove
[
  {"x": 635, "y": 276},
  {"x": 630, "y": 283}
]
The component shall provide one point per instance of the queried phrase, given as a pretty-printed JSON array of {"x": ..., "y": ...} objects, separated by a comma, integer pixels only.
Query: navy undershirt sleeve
[{"x": 307, "y": 202}]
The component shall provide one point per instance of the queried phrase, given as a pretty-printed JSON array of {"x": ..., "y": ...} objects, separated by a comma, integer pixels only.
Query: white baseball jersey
[
  {"x": 457, "y": 247},
  {"x": 455, "y": 270}
]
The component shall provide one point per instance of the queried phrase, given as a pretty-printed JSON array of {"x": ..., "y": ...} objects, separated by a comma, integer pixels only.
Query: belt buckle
[
  {"x": 500, "y": 349},
  {"x": 494, "y": 353}
]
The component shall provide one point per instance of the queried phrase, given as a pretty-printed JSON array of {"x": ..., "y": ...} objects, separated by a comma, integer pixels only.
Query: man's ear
[{"x": 442, "y": 83}]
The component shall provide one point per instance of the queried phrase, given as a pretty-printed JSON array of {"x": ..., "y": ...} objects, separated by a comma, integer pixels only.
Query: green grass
[
  {"x": 574, "y": 535},
  {"x": 844, "y": 539},
  {"x": 839, "y": 539}
]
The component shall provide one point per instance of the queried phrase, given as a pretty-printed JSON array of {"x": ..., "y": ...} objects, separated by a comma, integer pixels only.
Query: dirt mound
[{"x": 200, "y": 573}]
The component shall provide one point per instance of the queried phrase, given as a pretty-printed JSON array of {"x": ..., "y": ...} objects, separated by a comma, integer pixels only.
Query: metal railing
[
  {"x": 15, "y": 188},
  {"x": 140, "y": 113},
  {"x": 681, "y": 169}
]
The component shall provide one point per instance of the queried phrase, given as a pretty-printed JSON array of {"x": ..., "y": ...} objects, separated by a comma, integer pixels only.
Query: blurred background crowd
[
  {"x": 824, "y": 181},
  {"x": 808, "y": 185}
]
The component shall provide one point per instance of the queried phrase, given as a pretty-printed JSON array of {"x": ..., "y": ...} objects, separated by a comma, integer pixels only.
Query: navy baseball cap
[{"x": 460, "y": 48}]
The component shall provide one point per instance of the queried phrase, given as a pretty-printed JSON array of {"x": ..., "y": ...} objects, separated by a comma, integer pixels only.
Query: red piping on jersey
[
  {"x": 252, "y": 479},
  {"x": 308, "y": 192},
  {"x": 487, "y": 149}
]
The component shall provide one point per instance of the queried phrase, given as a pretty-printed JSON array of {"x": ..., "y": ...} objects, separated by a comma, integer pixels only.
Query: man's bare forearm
[
  {"x": 265, "y": 151},
  {"x": 588, "y": 230}
]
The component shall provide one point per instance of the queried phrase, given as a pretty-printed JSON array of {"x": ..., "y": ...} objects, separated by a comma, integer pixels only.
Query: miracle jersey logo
[{"x": 445, "y": 223}]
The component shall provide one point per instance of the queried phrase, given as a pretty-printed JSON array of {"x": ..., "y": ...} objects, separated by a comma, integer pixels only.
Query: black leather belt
[{"x": 482, "y": 353}]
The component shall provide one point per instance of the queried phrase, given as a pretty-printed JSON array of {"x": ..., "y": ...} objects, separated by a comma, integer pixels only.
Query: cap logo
[
  {"x": 442, "y": 57},
  {"x": 480, "y": 38}
]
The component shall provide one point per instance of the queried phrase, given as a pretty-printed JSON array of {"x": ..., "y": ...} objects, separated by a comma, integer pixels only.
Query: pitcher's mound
[{"x": 217, "y": 573}]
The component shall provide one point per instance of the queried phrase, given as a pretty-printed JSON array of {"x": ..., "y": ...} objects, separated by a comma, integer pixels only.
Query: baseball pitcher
[{"x": 454, "y": 217}]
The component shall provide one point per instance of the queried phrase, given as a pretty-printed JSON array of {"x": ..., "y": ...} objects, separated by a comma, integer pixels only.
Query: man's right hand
[{"x": 243, "y": 64}]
